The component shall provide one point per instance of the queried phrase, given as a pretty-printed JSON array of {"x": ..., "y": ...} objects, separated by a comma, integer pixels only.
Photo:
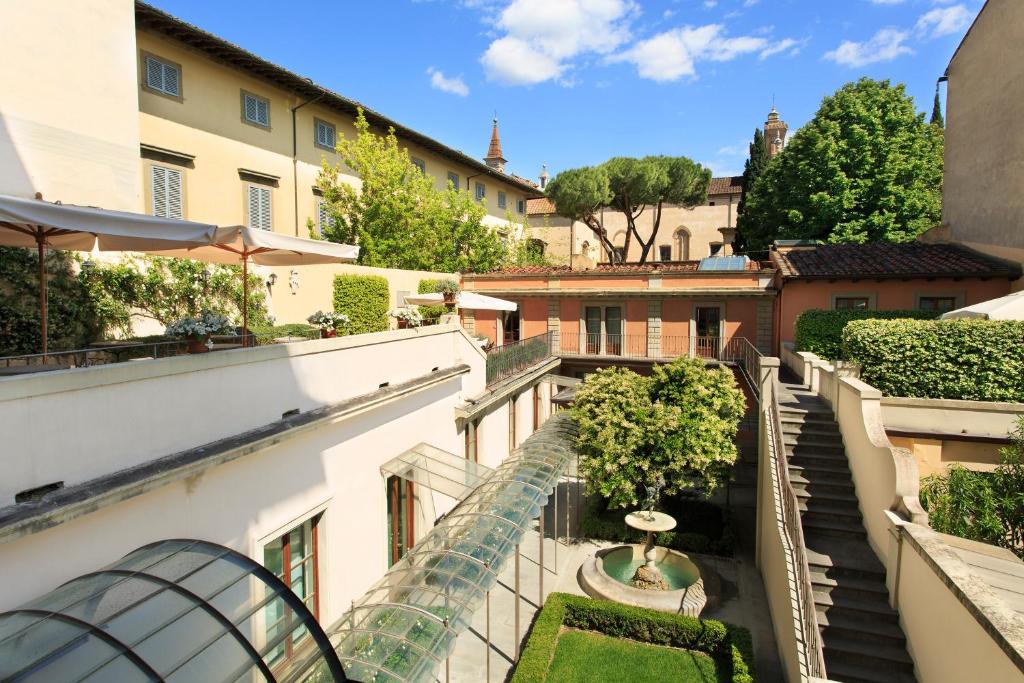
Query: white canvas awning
[
  {"x": 231, "y": 244},
  {"x": 471, "y": 300},
  {"x": 1010, "y": 307}
]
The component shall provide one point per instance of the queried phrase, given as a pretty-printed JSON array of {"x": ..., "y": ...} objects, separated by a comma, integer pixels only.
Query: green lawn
[{"x": 585, "y": 656}]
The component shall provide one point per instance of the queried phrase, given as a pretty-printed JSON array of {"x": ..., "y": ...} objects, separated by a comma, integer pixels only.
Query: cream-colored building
[
  {"x": 985, "y": 135},
  {"x": 684, "y": 233}
]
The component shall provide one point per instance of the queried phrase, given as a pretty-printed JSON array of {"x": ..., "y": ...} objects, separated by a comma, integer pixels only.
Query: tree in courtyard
[
  {"x": 397, "y": 216},
  {"x": 753, "y": 167},
  {"x": 937, "y": 119},
  {"x": 677, "y": 425},
  {"x": 867, "y": 168},
  {"x": 629, "y": 187}
]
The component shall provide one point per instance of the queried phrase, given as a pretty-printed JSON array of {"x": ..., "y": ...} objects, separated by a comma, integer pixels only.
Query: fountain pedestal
[{"x": 648, "y": 576}]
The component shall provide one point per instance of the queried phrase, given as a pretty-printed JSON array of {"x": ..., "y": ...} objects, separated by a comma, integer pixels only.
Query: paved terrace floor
[{"x": 743, "y": 600}]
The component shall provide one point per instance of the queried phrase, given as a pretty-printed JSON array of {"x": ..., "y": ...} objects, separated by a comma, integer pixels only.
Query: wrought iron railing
[
  {"x": 105, "y": 353},
  {"x": 512, "y": 358},
  {"x": 745, "y": 356},
  {"x": 638, "y": 346},
  {"x": 795, "y": 536}
]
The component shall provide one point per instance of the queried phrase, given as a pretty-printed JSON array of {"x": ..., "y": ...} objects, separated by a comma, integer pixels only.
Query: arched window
[{"x": 681, "y": 242}]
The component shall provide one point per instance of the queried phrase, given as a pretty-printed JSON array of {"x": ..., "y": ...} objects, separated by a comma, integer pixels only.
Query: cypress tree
[
  {"x": 753, "y": 167},
  {"x": 937, "y": 119}
]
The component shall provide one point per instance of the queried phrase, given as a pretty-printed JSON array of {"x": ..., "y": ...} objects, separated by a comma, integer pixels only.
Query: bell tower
[
  {"x": 494, "y": 158},
  {"x": 775, "y": 130}
]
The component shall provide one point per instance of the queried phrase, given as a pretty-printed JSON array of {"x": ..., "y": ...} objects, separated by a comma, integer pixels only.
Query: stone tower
[
  {"x": 775, "y": 133},
  {"x": 494, "y": 159}
]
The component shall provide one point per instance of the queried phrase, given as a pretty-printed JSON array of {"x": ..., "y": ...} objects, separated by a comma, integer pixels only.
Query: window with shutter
[
  {"x": 325, "y": 136},
  {"x": 163, "y": 77},
  {"x": 323, "y": 218},
  {"x": 453, "y": 178},
  {"x": 259, "y": 208},
  {"x": 481, "y": 191},
  {"x": 256, "y": 110},
  {"x": 501, "y": 200},
  {"x": 166, "y": 185},
  {"x": 520, "y": 206},
  {"x": 420, "y": 164}
]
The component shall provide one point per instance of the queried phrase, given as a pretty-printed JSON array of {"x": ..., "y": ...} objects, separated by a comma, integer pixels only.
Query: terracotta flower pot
[
  {"x": 403, "y": 324},
  {"x": 198, "y": 345},
  {"x": 328, "y": 334}
]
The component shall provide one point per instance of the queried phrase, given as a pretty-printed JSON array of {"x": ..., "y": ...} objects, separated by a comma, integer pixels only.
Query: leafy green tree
[
  {"x": 937, "y": 119},
  {"x": 982, "y": 506},
  {"x": 397, "y": 216},
  {"x": 677, "y": 425},
  {"x": 629, "y": 186},
  {"x": 867, "y": 168},
  {"x": 753, "y": 167}
]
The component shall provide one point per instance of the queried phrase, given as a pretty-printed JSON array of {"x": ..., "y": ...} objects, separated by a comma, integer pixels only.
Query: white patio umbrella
[
  {"x": 36, "y": 223},
  {"x": 1009, "y": 307},
  {"x": 472, "y": 300},
  {"x": 239, "y": 245}
]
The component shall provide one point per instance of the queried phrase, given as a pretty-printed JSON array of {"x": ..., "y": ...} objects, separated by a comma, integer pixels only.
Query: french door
[
  {"x": 708, "y": 324},
  {"x": 401, "y": 533},
  {"x": 603, "y": 330}
]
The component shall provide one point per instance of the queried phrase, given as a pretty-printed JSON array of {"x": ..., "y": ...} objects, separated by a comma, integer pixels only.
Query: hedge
[
  {"x": 821, "y": 332},
  {"x": 977, "y": 360},
  {"x": 729, "y": 645},
  {"x": 364, "y": 299}
]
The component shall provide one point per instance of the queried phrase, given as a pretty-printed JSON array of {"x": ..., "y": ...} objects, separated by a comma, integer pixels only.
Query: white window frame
[
  {"x": 259, "y": 99},
  {"x": 720, "y": 305},
  {"x": 604, "y": 306},
  {"x": 320, "y": 124},
  {"x": 870, "y": 296},
  {"x": 165, "y": 66},
  {"x": 249, "y": 188},
  {"x": 165, "y": 175},
  {"x": 520, "y": 206}
]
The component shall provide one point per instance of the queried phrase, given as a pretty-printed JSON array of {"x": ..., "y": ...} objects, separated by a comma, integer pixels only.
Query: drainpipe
[{"x": 295, "y": 160}]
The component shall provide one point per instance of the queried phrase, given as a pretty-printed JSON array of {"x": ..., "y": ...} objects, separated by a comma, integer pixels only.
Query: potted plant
[
  {"x": 449, "y": 289},
  {"x": 407, "y": 317},
  {"x": 328, "y": 323},
  {"x": 197, "y": 330}
]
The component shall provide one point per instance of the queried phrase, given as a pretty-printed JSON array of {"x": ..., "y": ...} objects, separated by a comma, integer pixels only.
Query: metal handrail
[
  {"x": 791, "y": 524},
  {"x": 514, "y": 357}
]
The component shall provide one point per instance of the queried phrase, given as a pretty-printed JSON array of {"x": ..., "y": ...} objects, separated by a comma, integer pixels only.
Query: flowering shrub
[
  {"x": 200, "y": 327},
  {"x": 410, "y": 315},
  {"x": 329, "y": 320},
  {"x": 679, "y": 424}
]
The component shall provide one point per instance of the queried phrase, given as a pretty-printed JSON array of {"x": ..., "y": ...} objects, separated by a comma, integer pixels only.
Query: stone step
[
  {"x": 817, "y": 474},
  {"x": 823, "y": 506},
  {"x": 857, "y": 669},
  {"x": 807, "y": 410},
  {"x": 833, "y": 528},
  {"x": 801, "y": 439},
  {"x": 803, "y": 485},
  {"x": 874, "y": 607},
  {"x": 800, "y": 417},
  {"x": 827, "y": 428},
  {"x": 849, "y": 627},
  {"x": 847, "y": 587},
  {"x": 853, "y": 561},
  {"x": 825, "y": 463},
  {"x": 832, "y": 498},
  {"x": 837, "y": 450}
]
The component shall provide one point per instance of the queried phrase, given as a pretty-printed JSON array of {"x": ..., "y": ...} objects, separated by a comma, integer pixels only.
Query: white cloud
[
  {"x": 787, "y": 44},
  {"x": 750, "y": 3},
  {"x": 455, "y": 86},
  {"x": 672, "y": 55},
  {"x": 887, "y": 2},
  {"x": 710, "y": 4},
  {"x": 885, "y": 45},
  {"x": 943, "y": 21},
  {"x": 540, "y": 38}
]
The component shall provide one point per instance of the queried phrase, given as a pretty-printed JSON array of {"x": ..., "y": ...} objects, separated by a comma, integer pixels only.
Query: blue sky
[{"x": 575, "y": 82}]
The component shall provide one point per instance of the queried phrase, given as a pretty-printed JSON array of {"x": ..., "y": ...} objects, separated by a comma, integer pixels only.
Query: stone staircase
[{"x": 861, "y": 635}]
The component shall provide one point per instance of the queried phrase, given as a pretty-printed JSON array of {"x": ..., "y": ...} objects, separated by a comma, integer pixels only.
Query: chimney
[
  {"x": 494, "y": 159},
  {"x": 544, "y": 176}
]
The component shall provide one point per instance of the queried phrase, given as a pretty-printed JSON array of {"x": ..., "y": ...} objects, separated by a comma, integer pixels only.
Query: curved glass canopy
[
  {"x": 405, "y": 626},
  {"x": 177, "y": 610}
]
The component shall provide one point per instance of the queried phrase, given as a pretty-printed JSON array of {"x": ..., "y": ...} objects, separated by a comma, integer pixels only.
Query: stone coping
[
  {"x": 953, "y": 404},
  {"x": 998, "y": 620}
]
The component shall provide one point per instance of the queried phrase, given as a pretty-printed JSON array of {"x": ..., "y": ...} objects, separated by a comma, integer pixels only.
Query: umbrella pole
[
  {"x": 41, "y": 247},
  {"x": 245, "y": 300}
]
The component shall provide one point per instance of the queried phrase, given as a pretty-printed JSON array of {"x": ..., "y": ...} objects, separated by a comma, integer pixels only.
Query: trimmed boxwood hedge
[
  {"x": 821, "y": 332},
  {"x": 364, "y": 299},
  {"x": 978, "y": 360},
  {"x": 729, "y": 645}
]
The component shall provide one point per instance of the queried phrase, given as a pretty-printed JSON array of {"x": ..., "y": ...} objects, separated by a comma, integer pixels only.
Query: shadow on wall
[{"x": 14, "y": 177}]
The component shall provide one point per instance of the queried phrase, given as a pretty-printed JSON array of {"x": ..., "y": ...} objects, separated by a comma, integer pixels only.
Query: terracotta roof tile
[
  {"x": 543, "y": 205},
  {"x": 914, "y": 259},
  {"x": 614, "y": 269},
  {"x": 726, "y": 185}
]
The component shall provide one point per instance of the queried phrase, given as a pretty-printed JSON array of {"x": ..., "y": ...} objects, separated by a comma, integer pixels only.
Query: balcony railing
[
  {"x": 658, "y": 347},
  {"x": 512, "y": 358}
]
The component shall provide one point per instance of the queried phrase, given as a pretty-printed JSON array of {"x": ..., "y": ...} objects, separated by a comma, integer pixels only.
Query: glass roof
[
  {"x": 405, "y": 626},
  {"x": 437, "y": 470},
  {"x": 176, "y": 610}
]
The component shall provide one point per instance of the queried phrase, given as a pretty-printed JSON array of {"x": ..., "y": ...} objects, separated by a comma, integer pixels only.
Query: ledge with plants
[
  {"x": 729, "y": 646},
  {"x": 329, "y": 323}
]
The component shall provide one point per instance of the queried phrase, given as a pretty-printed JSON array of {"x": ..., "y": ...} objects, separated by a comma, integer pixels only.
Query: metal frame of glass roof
[
  {"x": 406, "y": 624},
  {"x": 175, "y": 610}
]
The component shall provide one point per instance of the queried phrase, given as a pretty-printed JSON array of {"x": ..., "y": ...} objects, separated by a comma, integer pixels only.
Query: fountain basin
[{"x": 608, "y": 573}]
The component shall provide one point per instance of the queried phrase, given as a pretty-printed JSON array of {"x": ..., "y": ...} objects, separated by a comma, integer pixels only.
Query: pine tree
[
  {"x": 937, "y": 119},
  {"x": 753, "y": 167}
]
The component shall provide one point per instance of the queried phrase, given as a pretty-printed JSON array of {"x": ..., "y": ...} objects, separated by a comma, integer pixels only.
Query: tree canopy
[
  {"x": 397, "y": 216},
  {"x": 867, "y": 168},
  {"x": 629, "y": 186},
  {"x": 757, "y": 161},
  {"x": 678, "y": 425},
  {"x": 936, "y": 119}
]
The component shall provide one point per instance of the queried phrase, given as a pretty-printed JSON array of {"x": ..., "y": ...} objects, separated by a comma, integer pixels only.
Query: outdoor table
[{"x": 30, "y": 369}]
